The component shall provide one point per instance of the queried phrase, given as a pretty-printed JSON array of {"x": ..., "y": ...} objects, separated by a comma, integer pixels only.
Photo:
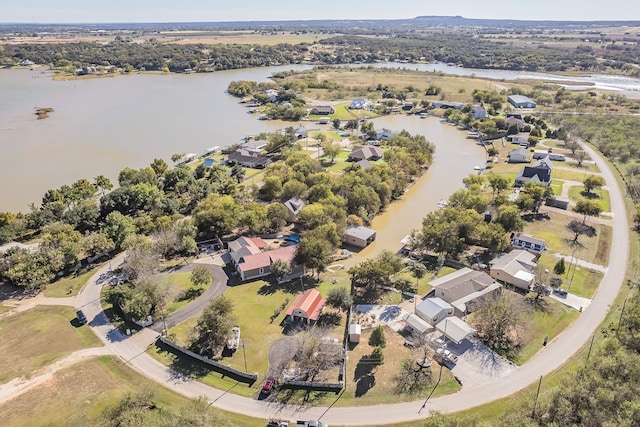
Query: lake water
[{"x": 100, "y": 126}]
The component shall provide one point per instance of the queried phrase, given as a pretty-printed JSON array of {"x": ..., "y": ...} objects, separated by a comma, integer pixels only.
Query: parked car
[
  {"x": 267, "y": 388},
  {"x": 560, "y": 292},
  {"x": 81, "y": 317}
]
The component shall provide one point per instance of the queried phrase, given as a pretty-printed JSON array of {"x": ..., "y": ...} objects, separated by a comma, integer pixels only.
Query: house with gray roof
[
  {"x": 455, "y": 329},
  {"x": 518, "y": 155},
  {"x": 360, "y": 104},
  {"x": 528, "y": 242},
  {"x": 294, "y": 205},
  {"x": 541, "y": 175},
  {"x": 367, "y": 152},
  {"x": 359, "y": 236},
  {"x": 248, "y": 159},
  {"x": 465, "y": 289},
  {"x": 515, "y": 268},
  {"x": 433, "y": 310},
  {"x": 521, "y": 101},
  {"x": 545, "y": 162}
]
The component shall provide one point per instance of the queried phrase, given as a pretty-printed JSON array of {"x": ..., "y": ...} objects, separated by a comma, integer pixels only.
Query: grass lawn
[
  {"x": 368, "y": 384},
  {"x": 254, "y": 304},
  {"x": 569, "y": 175},
  {"x": 78, "y": 395},
  {"x": 178, "y": 283},
  {"x": 60, "y": 288},
  {"x": 37, "y": 337},
  {"x": 583, "y": 282},
  {"x": 601, "y": 196},
  {"x": 556, "y": 186},
  {"x": 4, "y": 308},
  {"x": 560, "y": 240},
  {"x": 549, "y": 318}
]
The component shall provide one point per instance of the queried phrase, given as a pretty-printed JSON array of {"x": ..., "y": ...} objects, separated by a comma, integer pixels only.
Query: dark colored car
[
  {"x": 561, "y": 292},
  {"x": 81, "y": 317},
  {"x": 267, "y": 388}
]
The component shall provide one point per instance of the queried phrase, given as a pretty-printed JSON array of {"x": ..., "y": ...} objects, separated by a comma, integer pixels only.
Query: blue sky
[{"x": 61, "y": 11}]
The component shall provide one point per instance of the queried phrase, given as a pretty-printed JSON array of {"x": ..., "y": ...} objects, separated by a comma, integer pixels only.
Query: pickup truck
[{"x": 311, "y": 423}]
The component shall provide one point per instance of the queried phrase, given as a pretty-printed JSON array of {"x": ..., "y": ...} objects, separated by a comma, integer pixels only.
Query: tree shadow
[
  {"x": 294, "y": 286},
  {"x": 330, "y": 319},
  {"x": 183, "y": 367},
  {"x": 365, "y": 384},
  {"x": 590, "y": 195},
  {"x": 539, "y": 304},
  {"x": 364, "y": 367}
]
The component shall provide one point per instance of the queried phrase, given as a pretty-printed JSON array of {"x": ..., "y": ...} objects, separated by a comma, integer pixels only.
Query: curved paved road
[{"x": 557, "y": 352}]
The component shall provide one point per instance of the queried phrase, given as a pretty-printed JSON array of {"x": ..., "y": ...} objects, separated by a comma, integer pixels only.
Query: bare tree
[
  {"x": 318, "y": 354},
  {"x": 580, "y": 156},
  {"x": 499, "y": 323},
  {"x": 411, "y": 379}
]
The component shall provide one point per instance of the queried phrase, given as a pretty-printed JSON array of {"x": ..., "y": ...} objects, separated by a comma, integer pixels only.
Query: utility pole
[
  {"x": 244, "y": 355},
  {"x": 624, "y": 303},
  {"x": 535, "y": 402},
  {"x": 590, "y": 346}
]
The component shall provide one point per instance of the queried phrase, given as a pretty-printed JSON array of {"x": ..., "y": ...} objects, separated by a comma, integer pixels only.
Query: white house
[
  {"x": 528, "y": 242},
  {"x": 433, "y": 310}
]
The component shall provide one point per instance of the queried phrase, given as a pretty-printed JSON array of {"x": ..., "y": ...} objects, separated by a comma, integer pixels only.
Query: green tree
[
  {"x": 280, "y": 269},
  {"x": 377, "y": 337},
  {"x": 331, "y": 150},
  {"x": 559, "y": 267},
  {"x": 118, "y": 227},
  {"x": 339, "y": 298},
  {"x": 214, "y": 326},
  {"x": 159, "y": 166},
  {"x": 377, "y": 355},
  {"x": 201, "y": 275},
  {"x": 593, "y": 182},
  {"x": 277, "y": 214},
  {"x": 510, "y": 219},
  {"x": 499, "y": 324},
  {"x": 587, "y": 208},
  {"x": 499, "y": 183}
]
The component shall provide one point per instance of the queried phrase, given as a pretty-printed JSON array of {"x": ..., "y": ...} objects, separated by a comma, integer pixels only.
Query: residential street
[{"x": 558, "y": 351}]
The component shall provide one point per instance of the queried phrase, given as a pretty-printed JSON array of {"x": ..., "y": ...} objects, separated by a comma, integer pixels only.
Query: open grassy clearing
[
  {"x": 600, "y": 196},
  {"x": 37, "y": 337},
  {"x": 560, "y": 240},
  {"x": 569, "y": 175},
  {"x": 177, "y": 284},
  {"x": 78, "y": 395},
  {"x": 4, "y": 308},
  {"x": 547, "y": 318},
  {"x": 556, "y": 186},
  {"x": 578, "y": 280},
  {"x": 60, "y": 288}
]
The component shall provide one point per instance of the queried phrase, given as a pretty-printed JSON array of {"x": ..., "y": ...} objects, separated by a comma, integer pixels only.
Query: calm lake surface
[{"x": 100, "y": 126}]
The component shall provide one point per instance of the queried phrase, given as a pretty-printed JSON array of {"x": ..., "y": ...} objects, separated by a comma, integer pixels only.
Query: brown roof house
[
  {"x": 367, "y": 152},
  {"x": 322, "y": 110},
  {"x": 252, "y": 261},
  {"x": 306, "y": 308},
  {"x": 515, "y": 268},
  {"x": 465, "y": 289}
]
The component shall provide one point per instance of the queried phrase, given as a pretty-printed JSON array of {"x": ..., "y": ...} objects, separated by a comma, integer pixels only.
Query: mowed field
[
  {"x": 35, "y": 338},
  {"x": 78, "y": 395}
]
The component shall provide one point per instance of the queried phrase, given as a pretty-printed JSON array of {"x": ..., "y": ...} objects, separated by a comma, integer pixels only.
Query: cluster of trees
[{"x": 144, "y": 409}]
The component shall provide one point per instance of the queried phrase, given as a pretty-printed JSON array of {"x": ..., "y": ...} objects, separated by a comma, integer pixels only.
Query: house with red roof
[
  {"x": 307, "y": 307},
  {"x": 252, "y": 259}
]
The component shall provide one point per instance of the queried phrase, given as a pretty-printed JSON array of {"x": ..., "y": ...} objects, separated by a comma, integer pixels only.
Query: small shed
[
  {"x": 355, "y": 331},
  {"x": 455, "y": 329},
  {"x": 359, "y": 236}
]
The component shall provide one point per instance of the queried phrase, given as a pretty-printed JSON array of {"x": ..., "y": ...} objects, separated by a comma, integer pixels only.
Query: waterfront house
[
  {"x": 360, "y": 104},
  {"x": 479, "y": 112},
  {"x": 465, "y": 289},
  {"x": 520, "y": 138},
  {"x": 537, "y": 174},
  {"x": 528, "y": 242},
  {"x": 306, "y": 308},
  {"x": 247, "y": 159},
  {"x": 359, "y": 236},
  {"x": 515, "y": 268},
  {"x": 518, "y": 155},
  {"x": 367, "y": 152},
  {"x": 252, "y": 264},
  {"x": 322, "y": 110}
]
